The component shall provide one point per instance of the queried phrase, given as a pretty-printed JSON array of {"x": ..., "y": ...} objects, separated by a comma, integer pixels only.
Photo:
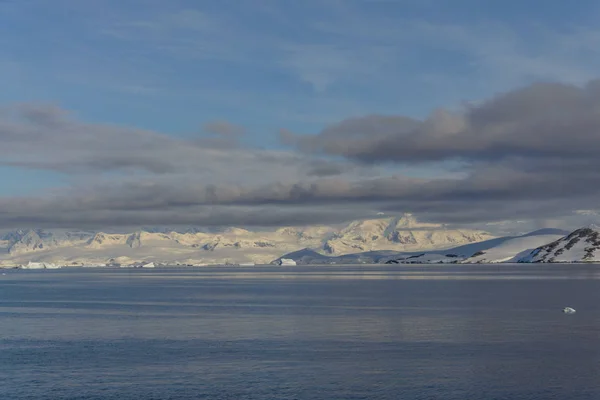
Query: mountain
[
  {"x": 311, "y": 257},
  {"x": 581, "y": 245},
  {"x": 31, "y": 240},
  {"x": 503, "y": 249},
  {"x": 378, "y": 237},
  {"x": 400, "y": 234},
  {"x": 233, "y": 246},
  {"x": 512, "y": 249}
]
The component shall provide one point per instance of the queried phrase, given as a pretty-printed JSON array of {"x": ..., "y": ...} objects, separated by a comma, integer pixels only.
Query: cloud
[
  {"x": 324, "y": 168},
  {"x": 45, "y": 215},
  {"x": 123, "y": 176},
  {"x": 528, "y": 153},
  {"x": 542, "y": 121},
  {"x": 44, "y": 136},
  {"x": 477, "y": 199}
]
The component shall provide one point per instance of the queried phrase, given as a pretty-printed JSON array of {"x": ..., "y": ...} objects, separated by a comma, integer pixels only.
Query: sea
[{"x": 305, "y": 332}]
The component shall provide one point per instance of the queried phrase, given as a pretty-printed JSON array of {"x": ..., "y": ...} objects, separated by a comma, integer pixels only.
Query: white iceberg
[
  {"x": 40, "y": 265},
  {"x": 569, "y": 310}
]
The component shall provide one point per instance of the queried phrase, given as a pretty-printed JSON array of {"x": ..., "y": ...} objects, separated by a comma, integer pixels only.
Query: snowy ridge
[
  {"x": 399, "y": 234},
  {"x": 376, "y": 237},
  {"x": 579, "y": 246},
  {"x": 497, "y": 250},
  {"x": 386, "y": 240},
  {"x": 511, "y": 250}
]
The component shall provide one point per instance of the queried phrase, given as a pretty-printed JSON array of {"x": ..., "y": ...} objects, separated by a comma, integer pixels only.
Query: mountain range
[
  {"x": 392, "y": 240},
  {"x": 232, "y": 245},
  {"x": 541, "y": 246}
]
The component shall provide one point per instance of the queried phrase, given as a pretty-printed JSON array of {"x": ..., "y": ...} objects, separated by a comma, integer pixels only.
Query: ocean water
[{"x": 339, "y": 332}]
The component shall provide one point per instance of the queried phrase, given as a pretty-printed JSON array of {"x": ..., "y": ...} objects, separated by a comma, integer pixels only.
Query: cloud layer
[
  {"x": 46, "y": 137},
  {"x": 528, "y": 153},
  {"x": 541, "y": 121},
  {"x": 531, "y": 151}
]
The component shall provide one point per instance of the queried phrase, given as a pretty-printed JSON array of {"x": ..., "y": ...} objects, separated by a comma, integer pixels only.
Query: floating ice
[{"x": 569, "y": 310}]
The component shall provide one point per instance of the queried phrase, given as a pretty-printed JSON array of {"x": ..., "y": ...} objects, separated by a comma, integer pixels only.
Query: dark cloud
[
  {"x": 487, "y": 196},
  {"x": 526, "y": 154},
  {"x": 40, "y": 136},
  {"x": 42, "y": 114},
  {"x": 324, "y": 168},
  {"x": 43, "y": 213},
  {"x": 478, "y": 199},
  {"x": 539, "y": 121},
  {"x": 44, "y": 137}
]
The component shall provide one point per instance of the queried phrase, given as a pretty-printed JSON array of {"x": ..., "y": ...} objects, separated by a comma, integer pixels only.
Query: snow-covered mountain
[
  {"x": 400, "y": 234},
  {"x": 503, "y": 249},
  {"x": 581, "y": 245},
  {"x": 386, "y": 240},
  {"x": 31, "y": 240},
  {"x": 514, "y": 248},
  {"x": 232, "y": 245}
]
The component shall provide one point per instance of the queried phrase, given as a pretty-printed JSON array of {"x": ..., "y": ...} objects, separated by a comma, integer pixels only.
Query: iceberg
[
  {"x": 40, "y": 265},
  {"x": 33, "y": 265},
  {"x": 569, "y": 310}
]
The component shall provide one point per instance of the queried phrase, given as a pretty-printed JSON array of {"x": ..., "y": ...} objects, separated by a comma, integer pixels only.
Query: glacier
[
  {"x": 390, "y": 240},
  {"x": 233, "y": 246},
  {"x": 497, "y": 250}
]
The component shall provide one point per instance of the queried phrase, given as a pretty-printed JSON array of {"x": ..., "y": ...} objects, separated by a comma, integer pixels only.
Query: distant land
[
  {"x": 229, "y": 246},
  {"x": 541, "y": 246},
  {"x": 391, "y": 240}
]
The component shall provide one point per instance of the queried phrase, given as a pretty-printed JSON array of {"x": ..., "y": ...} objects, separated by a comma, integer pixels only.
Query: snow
[
  {"x": 33, "y": 265},
  {"x": 401, "y": 234},
  {"x": 580, "y": 245},
  {"x": 39, "y": 265},
  {"x": 512, "y": 250},
  {"x": 498, "y": 250},
  {"x": 389, "y": 235},
  {"x": 381, "y": 240}
]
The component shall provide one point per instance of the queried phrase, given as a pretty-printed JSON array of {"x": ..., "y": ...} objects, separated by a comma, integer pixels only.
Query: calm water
[{"x": 368, "y": 332}]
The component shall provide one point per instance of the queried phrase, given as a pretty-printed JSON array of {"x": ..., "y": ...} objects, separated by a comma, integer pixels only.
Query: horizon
[{"x": 131, "y": 113}]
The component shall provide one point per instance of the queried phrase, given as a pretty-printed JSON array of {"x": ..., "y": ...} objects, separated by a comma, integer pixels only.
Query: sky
[{"x": 270, "y": 113}]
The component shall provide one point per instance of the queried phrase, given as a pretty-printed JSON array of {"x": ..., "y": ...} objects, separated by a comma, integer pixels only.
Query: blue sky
[
  {"x": 266, "y": 65},
  {"x": 170, "y": 66}
]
